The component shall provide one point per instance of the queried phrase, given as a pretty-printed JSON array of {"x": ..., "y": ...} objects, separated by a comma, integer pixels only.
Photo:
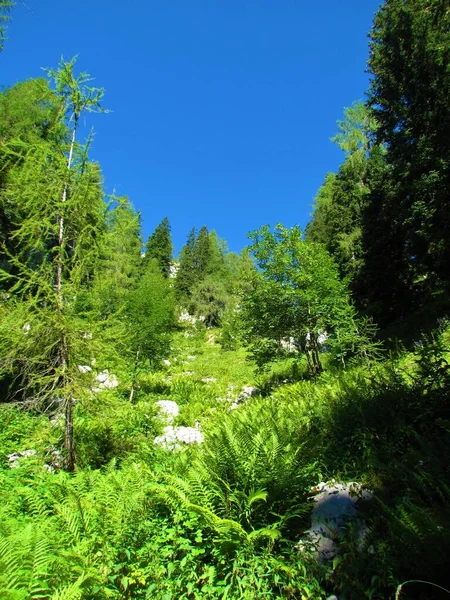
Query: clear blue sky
[{"x": 222, "y": 110}]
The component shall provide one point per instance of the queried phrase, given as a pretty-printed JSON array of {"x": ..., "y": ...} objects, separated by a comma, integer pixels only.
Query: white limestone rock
[
  {"x": 289, "y": 345},
  {"x": 16, "y": 458},
  {"x": 247, "y": 392},
  {"x": 106, "y": 381},
  {"x": 174, "y": 438},
  {"x": 168, "y": 409}
]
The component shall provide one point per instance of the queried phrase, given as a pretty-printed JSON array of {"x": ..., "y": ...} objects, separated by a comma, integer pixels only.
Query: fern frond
[{"x": 73, "y": 591}]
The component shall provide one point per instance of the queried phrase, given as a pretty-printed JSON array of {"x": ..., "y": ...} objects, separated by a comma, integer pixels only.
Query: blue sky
[{"x": 222, "y": 110}]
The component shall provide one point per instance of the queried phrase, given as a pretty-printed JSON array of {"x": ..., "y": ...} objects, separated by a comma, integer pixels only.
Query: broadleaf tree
[{"x": 296, "y": 293}]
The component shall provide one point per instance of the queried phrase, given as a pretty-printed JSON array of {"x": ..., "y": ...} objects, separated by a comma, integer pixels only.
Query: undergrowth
[{"x": 223, "y": 519}]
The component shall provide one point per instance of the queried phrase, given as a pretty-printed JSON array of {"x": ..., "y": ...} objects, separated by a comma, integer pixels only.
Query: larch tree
[
  {"x": 338, "y": 210},
  {"x": 28, "y": 115},
  {"x": 43, "y": 337}
]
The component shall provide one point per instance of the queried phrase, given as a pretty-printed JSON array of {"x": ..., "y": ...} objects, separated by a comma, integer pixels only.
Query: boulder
[{"x": 335, "y": 507}]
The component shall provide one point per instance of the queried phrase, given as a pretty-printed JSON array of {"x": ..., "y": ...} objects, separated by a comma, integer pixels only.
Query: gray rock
[{"x": 335, "y": 506}]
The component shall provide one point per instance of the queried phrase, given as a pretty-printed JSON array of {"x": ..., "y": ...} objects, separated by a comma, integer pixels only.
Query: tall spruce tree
[
  {"x": 159, "y": 247},
  {"x": 186, "y": 275},
  {"x": 42, "y": 337},
  {"x": 409, "y": 96},
  {"x": 203, "y": 254},
  {"x": 196, "y": 262}
]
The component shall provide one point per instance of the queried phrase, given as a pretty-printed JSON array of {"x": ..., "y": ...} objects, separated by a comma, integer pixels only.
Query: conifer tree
[
  {"x": 202, "y": 254},
  {"x": 409, "y": 96},
  {"x": 28, "y": 115},
  {"x": 159, "y": 247},
  {"x": 186, "y": 276},
  {"x": 42, "y": 336},
  {"x": 339, "y": 205}
]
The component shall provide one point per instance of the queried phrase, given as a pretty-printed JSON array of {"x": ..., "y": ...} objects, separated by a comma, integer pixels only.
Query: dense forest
[{"x": 269, "y": 424}]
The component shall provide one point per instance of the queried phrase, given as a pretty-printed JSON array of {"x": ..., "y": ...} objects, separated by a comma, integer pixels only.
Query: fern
[
  {"x": 73, "y": 591},
  {"x": 26, "y": 563}
]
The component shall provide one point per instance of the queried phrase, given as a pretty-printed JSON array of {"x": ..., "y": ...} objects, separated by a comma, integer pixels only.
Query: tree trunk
[
  {"x": 133, "y": 383},
  {"x": 69, "y": 446},
  {"x": 69, "y": 459}
]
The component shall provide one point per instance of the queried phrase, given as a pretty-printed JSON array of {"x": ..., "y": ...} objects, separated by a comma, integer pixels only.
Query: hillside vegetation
[{"x": 178, "y": 428}]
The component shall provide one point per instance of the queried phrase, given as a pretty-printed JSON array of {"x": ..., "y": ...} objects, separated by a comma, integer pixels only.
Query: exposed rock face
[
  {"x": 336, "y": 505},
  {"x": 175, "y": 437}
]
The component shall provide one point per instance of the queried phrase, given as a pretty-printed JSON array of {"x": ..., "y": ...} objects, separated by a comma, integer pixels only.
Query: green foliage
[
  {"x": 409, "y": 96},
  {"x": 337, "y": 219},
  {"x": 149, "y": 314},
  {"x": 159, "y": 247},
  {"x": 297, "y": 296},
  {"x": 5, "y": 6}
]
